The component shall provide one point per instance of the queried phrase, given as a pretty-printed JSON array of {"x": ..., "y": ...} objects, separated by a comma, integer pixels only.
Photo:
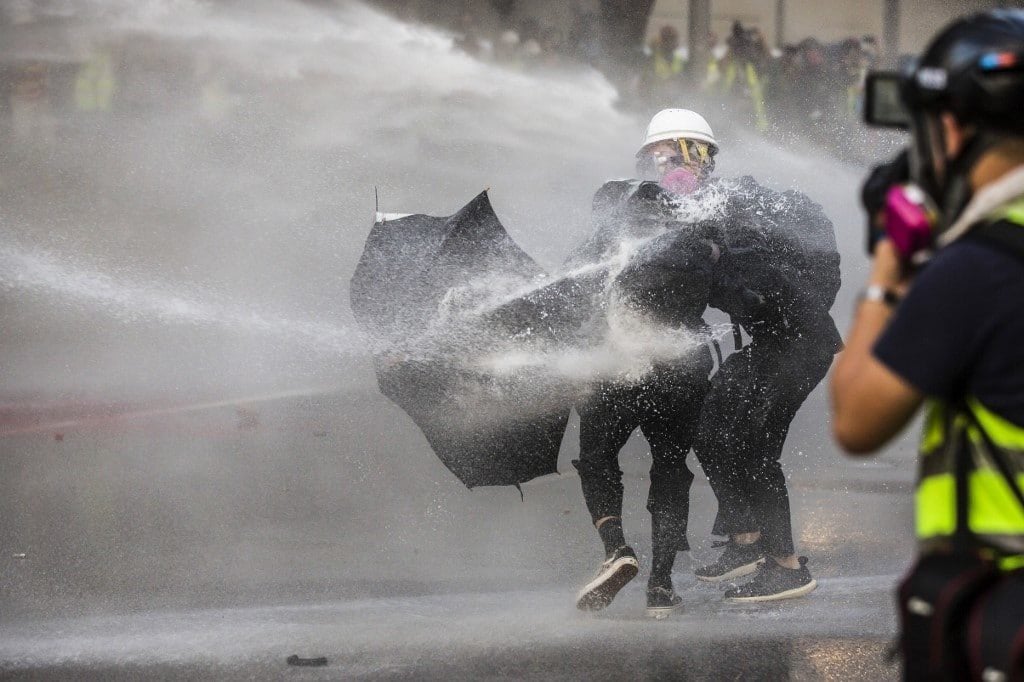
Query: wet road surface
[{"x": 215, "y": 541}]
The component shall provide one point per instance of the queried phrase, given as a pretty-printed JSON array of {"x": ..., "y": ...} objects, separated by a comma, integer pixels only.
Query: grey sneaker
[
  {"x": 662, "y": 601},
  {"x": 774, "y": 582},
  {"x": 615, "y": 572},
  {"x": 735, "y": 562}
]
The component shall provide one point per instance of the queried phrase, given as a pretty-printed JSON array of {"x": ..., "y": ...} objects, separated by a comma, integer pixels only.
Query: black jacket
[
  {"x": 668, "y": 273},
  {"x": 778, "y": 274}
]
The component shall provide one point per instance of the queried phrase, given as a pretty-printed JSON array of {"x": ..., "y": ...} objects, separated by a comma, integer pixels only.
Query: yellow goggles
[{"x": 692, "y": 153}]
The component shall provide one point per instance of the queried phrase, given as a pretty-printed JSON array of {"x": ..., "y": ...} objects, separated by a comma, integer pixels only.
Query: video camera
[
  {"x": 896, "y": 208},
  {"x": 883, "y": 107}
]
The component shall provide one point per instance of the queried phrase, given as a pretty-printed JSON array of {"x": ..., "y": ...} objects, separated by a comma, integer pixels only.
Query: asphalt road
[{"x": 213, "y": 541}]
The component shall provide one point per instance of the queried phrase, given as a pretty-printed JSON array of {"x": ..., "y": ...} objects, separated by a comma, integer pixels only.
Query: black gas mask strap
[
  {"x": 926, "y": 142},
  {"x": 956, "y": 189}
]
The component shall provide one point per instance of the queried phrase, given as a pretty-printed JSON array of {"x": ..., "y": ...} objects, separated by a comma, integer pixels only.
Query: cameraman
[{"x": 949, "y": 334}]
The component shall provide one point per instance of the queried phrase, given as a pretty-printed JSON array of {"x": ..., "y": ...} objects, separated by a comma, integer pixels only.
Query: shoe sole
[
  {"x": 737, "y": 572},
  {"x": 600, "y": 593},
  {"x": 788, "y": 594},
  {"x": 662, "y": 612}
]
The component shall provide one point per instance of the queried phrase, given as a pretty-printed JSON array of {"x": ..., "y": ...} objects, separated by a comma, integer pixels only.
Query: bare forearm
[
  {"x": 861, "y": 387},
  {"x": 870, "y": 403},
  {"x": 869, "y": 322}
]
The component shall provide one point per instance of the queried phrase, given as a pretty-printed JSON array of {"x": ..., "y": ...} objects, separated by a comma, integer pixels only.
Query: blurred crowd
[
  {"x": 809, "y": 87},
  {"x": 530, "y": 45},
  {"x": 814, "y": 86},
  {"x": 43, "y": 101},
  {"x": 54, "y": 85}
]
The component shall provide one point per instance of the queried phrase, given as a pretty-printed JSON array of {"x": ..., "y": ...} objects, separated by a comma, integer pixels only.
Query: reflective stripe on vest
[
  {"x": 757, "y": 96},
  {"x": 1013, "y": 212},
  {"x": 94, "y": 85},
  {"x": 994, "y": 514},
  {"x": 666, "y": 68}
]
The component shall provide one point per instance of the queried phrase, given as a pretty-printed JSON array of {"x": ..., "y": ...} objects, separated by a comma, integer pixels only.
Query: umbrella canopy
[{"x": 436, "y": 295}]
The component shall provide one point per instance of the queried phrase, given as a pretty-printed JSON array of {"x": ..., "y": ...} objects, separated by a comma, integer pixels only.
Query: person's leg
[
  {"x": 671, "y": 407},
  {"x": 720, "y": 440},
  {"x": 724, "y": 434},
  {"x": 606, "y": 421},
  {"x": 669, "y": 425},
  {"x": 795, "y": 374}
]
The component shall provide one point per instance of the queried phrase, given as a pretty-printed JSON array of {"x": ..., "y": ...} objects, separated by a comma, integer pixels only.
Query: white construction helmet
[{"x": 675, "y": 124}]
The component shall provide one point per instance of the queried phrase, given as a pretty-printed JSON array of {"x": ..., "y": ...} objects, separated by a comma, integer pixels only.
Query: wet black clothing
[
  {"x": 781, "y": 247},
  {"x": 665, "y": 407},
  {"x": 668, "y": 280},
  {"x": 632, "y": 209},
  {"x": 747, "y": 412},
  {"x": 777, "y": 277}
]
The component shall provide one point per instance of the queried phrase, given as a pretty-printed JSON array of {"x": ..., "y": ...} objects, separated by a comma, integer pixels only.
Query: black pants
[
  {"x": 753, "y": 399},
  {"x": 665, "y": 406}
]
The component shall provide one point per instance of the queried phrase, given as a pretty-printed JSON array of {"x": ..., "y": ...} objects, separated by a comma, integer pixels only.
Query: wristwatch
[{"x": 876, "y": 292}]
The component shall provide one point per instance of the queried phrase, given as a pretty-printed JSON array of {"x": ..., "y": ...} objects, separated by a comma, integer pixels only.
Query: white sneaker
[{"x": 616, "y": 571}]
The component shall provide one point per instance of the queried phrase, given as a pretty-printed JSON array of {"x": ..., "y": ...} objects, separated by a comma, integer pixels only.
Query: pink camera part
[{"x": 909, "y": 219}]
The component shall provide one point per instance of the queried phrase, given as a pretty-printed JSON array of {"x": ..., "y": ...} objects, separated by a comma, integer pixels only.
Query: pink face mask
[{"x": 680, "y": 181}]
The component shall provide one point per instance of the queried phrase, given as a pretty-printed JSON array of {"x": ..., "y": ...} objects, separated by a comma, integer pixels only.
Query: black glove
[
  {"x": 876, "y": 187},
  {"x": 648, "y": 191}
]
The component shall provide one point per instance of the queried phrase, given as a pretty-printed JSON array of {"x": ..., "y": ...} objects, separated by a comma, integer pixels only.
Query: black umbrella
[{"x": 437, "y": 296}]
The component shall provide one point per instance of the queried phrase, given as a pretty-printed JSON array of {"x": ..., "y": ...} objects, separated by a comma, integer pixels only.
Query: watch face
[{"x": 876, "y": 292}]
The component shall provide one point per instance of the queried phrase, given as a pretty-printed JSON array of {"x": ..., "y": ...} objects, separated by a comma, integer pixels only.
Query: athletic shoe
[
  {"x": 662, "y": 601},
  {"x": 615, "y": 572},
  {"x": 735, "y": 562},
  {"x": 774, "y": 582}
]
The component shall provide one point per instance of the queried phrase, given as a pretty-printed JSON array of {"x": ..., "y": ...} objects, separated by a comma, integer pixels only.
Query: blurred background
[{"x": 188, "y": 414}]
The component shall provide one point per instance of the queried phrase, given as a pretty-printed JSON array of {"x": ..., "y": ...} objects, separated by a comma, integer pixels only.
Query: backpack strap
[
  {"x": 737, "y": 334},
  {"x": 963, "y": 464},
  {"x": 963, "y": 537}
]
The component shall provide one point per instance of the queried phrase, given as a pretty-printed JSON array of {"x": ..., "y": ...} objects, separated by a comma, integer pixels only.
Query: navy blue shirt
[{"x": 960, "y": 330}]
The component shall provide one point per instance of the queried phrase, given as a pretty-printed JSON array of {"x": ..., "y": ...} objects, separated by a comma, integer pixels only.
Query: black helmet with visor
[{"x": 974, "y": 70}]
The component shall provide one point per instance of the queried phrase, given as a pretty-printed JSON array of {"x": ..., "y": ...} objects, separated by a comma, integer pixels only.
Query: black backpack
[{"x": 788, "y": 234}]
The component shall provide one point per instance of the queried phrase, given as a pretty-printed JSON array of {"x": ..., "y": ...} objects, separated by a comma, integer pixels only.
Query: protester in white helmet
[
  {"x": 667, "y": 279},
  {"x": 679, "y": 150},
  {"x": 769, "y": 260}
]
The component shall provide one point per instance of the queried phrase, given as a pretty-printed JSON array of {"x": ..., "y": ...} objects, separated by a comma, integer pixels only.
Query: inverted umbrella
[{"x": 438, "y": 294}]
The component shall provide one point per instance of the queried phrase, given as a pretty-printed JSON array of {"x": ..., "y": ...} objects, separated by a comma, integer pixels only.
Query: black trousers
[
  {"x": 743, "y": 427},
  {"x": 665, "y": 406}
]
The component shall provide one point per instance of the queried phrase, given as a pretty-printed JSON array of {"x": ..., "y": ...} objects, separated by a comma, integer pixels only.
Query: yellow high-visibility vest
[
  {"x": 994, "y": 513},
  {"x": 94, "y": 85},
  {"x": 664, "y": 67},
  {"x": 754, "y": 89}
]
